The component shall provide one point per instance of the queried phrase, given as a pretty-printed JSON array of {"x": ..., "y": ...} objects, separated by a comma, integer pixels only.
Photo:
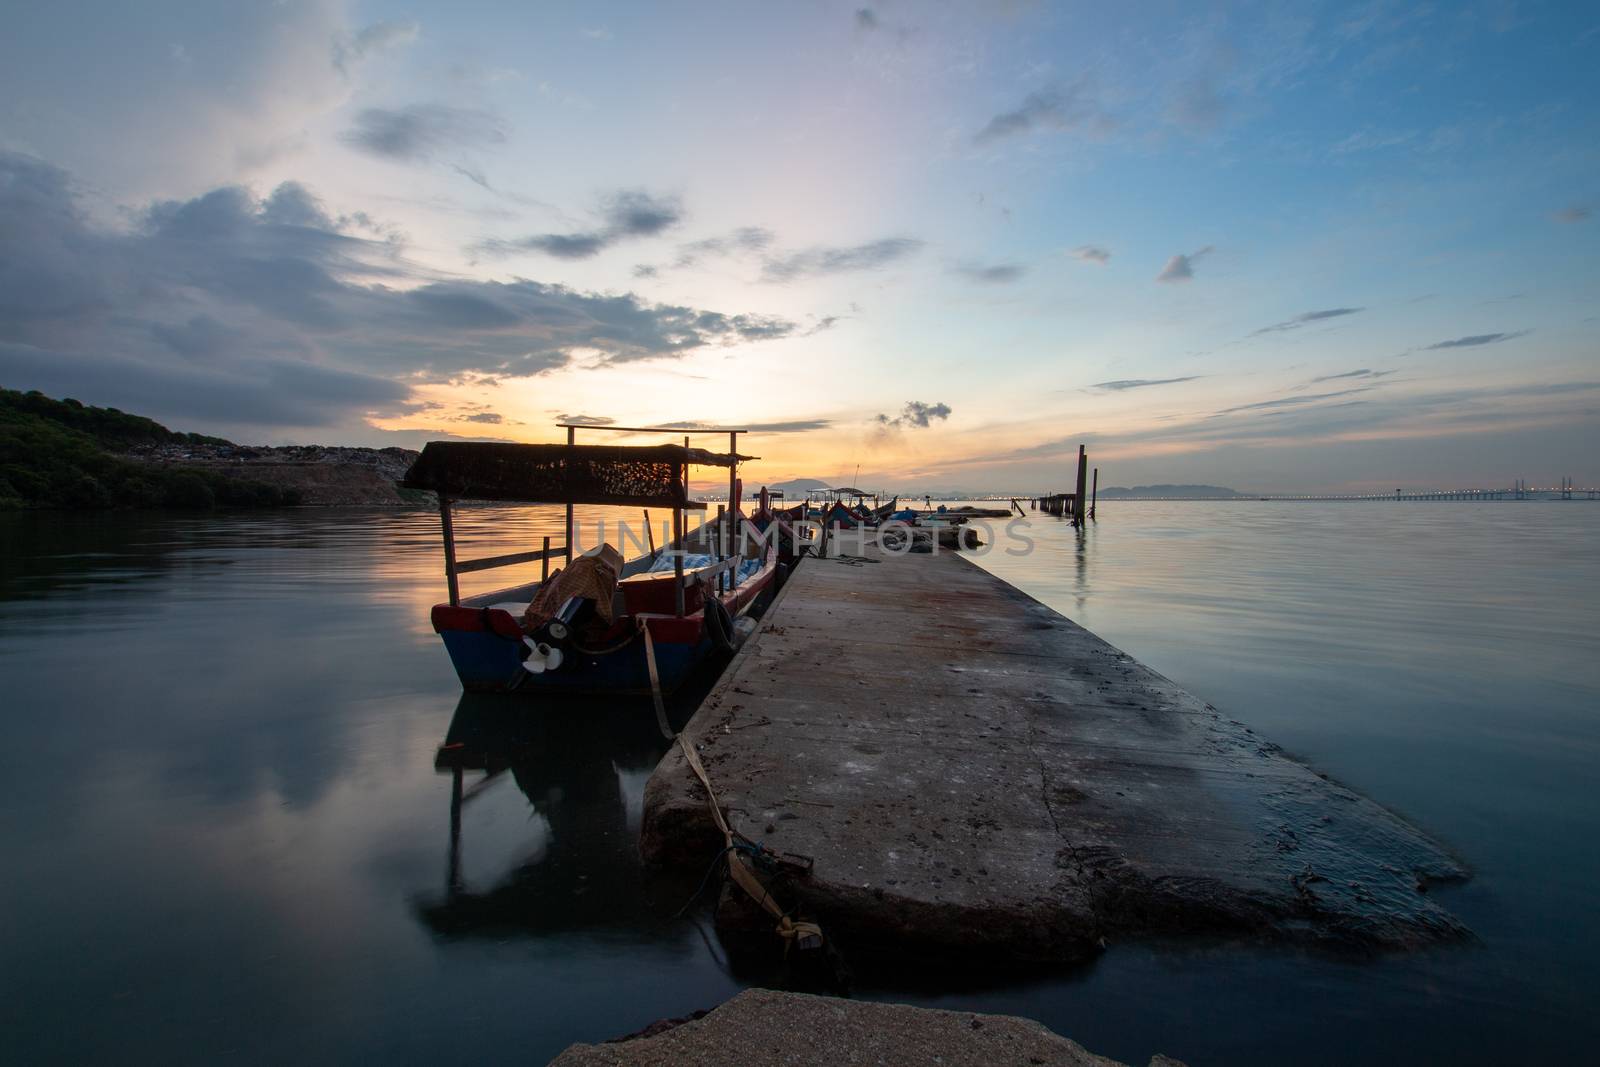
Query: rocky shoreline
[{"x": 322, "y": 475}]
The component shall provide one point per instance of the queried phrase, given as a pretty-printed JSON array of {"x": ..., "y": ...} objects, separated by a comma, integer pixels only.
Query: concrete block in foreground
[{"x": 761, "y": 1027}]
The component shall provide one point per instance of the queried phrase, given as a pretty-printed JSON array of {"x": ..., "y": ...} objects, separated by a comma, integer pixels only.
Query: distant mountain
[
  {"x": 1114, "y": 491},
  {"x": 795, "y": 487}
]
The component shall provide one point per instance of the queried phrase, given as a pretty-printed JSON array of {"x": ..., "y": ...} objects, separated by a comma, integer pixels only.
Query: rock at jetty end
[{"x": 761, "y": 1027}]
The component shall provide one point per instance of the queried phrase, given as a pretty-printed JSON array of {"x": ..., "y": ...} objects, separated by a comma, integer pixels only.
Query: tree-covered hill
[{"x": 63, "y": 454}]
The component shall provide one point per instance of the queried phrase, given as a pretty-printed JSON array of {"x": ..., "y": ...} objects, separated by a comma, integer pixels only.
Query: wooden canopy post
[
  {"x": 572, "y": 437},
  {"x": 677, "y": 544},
  {"x": 716, "y": 551},
  {"x": 733, "y": 508},
  {"x": 449, "y": 551}
]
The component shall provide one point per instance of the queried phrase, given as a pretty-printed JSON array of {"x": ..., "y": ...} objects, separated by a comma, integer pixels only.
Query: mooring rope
[
  {"x": 655, "y": 682},
  {"x": 793, "y": 931}
]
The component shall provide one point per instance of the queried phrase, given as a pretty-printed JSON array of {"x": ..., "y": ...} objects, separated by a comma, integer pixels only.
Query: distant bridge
[{"x": 1521, "y": 491}]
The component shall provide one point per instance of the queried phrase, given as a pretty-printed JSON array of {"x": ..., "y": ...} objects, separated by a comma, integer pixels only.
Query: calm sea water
[{"x": 225, "y": 836}]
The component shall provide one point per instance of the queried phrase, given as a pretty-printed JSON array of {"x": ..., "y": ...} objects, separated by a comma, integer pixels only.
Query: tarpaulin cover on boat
[
  {"x": 640, "y": 476},
  {"x": 592, "y": 576}
]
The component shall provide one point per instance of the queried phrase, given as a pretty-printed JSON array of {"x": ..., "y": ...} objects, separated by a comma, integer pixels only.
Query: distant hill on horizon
[
  {"x": 796, "y": 486},
  {"x": 66, "y": 455},
  {"x": 1114, "y": 491}
]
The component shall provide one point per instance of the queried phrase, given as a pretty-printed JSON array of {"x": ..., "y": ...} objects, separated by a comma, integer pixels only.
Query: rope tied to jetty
[
  {"x": 738, "y": 850},
  {"x": 655, "y": 680},
  {"x": 795, "y": 932}
]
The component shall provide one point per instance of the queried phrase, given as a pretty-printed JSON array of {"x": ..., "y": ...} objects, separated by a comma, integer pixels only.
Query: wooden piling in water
[
  {"x": 1094, "y": 494},
  {"x": 1083, "y": 477}
]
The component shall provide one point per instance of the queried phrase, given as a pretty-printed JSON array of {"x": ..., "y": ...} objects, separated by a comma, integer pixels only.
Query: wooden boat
[
  {"x": 849, "y": 509},
  {"x": 966, "y": 511},
  {"x": 925, "y": 532},
  {"x": 669, "y": 610}
]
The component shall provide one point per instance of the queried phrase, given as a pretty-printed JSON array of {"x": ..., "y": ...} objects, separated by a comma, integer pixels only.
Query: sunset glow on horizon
[{"x": 1342, "y": 247}]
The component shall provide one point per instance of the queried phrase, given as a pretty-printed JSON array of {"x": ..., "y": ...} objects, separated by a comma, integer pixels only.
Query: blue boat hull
[{"x": 488, "y": 662}]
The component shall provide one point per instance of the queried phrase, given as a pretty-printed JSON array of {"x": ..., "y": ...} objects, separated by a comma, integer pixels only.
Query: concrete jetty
[
  {"x": 972, "y": 773},
  {"x": 761, "y": 1027}
]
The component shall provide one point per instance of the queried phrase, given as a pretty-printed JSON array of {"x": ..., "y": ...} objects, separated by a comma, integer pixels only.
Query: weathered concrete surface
[
  {"x": 760, "y": 1027},
  {"x": 971, "y": 770}
]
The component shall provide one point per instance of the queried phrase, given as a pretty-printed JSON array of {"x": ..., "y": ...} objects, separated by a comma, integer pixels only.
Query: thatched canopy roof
[{"x": 640, "y": 476}]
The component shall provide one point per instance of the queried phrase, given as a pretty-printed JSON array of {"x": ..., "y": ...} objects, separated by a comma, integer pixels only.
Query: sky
[{"x": 912, "y": 246}]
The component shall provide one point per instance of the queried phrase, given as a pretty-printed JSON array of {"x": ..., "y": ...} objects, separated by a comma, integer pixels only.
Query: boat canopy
[{"x": 624, "y": 475}]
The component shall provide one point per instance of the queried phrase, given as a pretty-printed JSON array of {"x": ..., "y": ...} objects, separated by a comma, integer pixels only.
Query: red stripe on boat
[{"x": 472, "y": 621}]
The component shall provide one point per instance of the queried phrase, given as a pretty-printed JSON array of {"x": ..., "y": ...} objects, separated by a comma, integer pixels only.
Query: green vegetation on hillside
[{"x": 60, "y": 454}]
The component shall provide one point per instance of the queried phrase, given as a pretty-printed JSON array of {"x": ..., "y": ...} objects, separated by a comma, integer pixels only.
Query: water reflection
[
  {"x": 49, "y": 556},
  {"x": 228, "y": 808},
  {"x": 582, "y": 771}
]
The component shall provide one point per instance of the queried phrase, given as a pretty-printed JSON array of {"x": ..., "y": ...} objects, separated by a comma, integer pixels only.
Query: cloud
[
  {"x": 1362, "y": 373},
  {"x": 246, "y": 392},
  {"x": 492, "y": 417},
  {"x": 102, "y": 92},
  {"x": 560, "y": 245},
  {"x": 416, "y": 134},
  {"x": 1405, "y": 417},
  {"x": 781, "y": 265},
  {"x": 1475, "y": 340},
  {"x": 1294, "y": 401},
  {"x": 635, "y": 213},
  {"x": 995, "y": 274},
  {"x": 916, "y": 414},
  {"x": 866, "y": 19},
  {"x": 1180, "y": 268},
  {"x": 475, "y": 176},
  {"x": 785, "y": 426},
  {"x": 1091, "y": 254},
  {"x": 626, "y": 214},
  {"x": 585, "y": 420},
  {"x": 813, "y": 262},
  {"x": 1141, "y": 383},
  {"x": 790, "y": 426},
  {"x": 236, "y": 309},
  {"x": 745, "y": 239},
  {"x": 1369, "y": 140},
  {"x": 1053, "y": 109},
  {"x": 1575, "y": 213},
  {"x": 371, "y": 40},
  {"x": 1304, "y": 318}
]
